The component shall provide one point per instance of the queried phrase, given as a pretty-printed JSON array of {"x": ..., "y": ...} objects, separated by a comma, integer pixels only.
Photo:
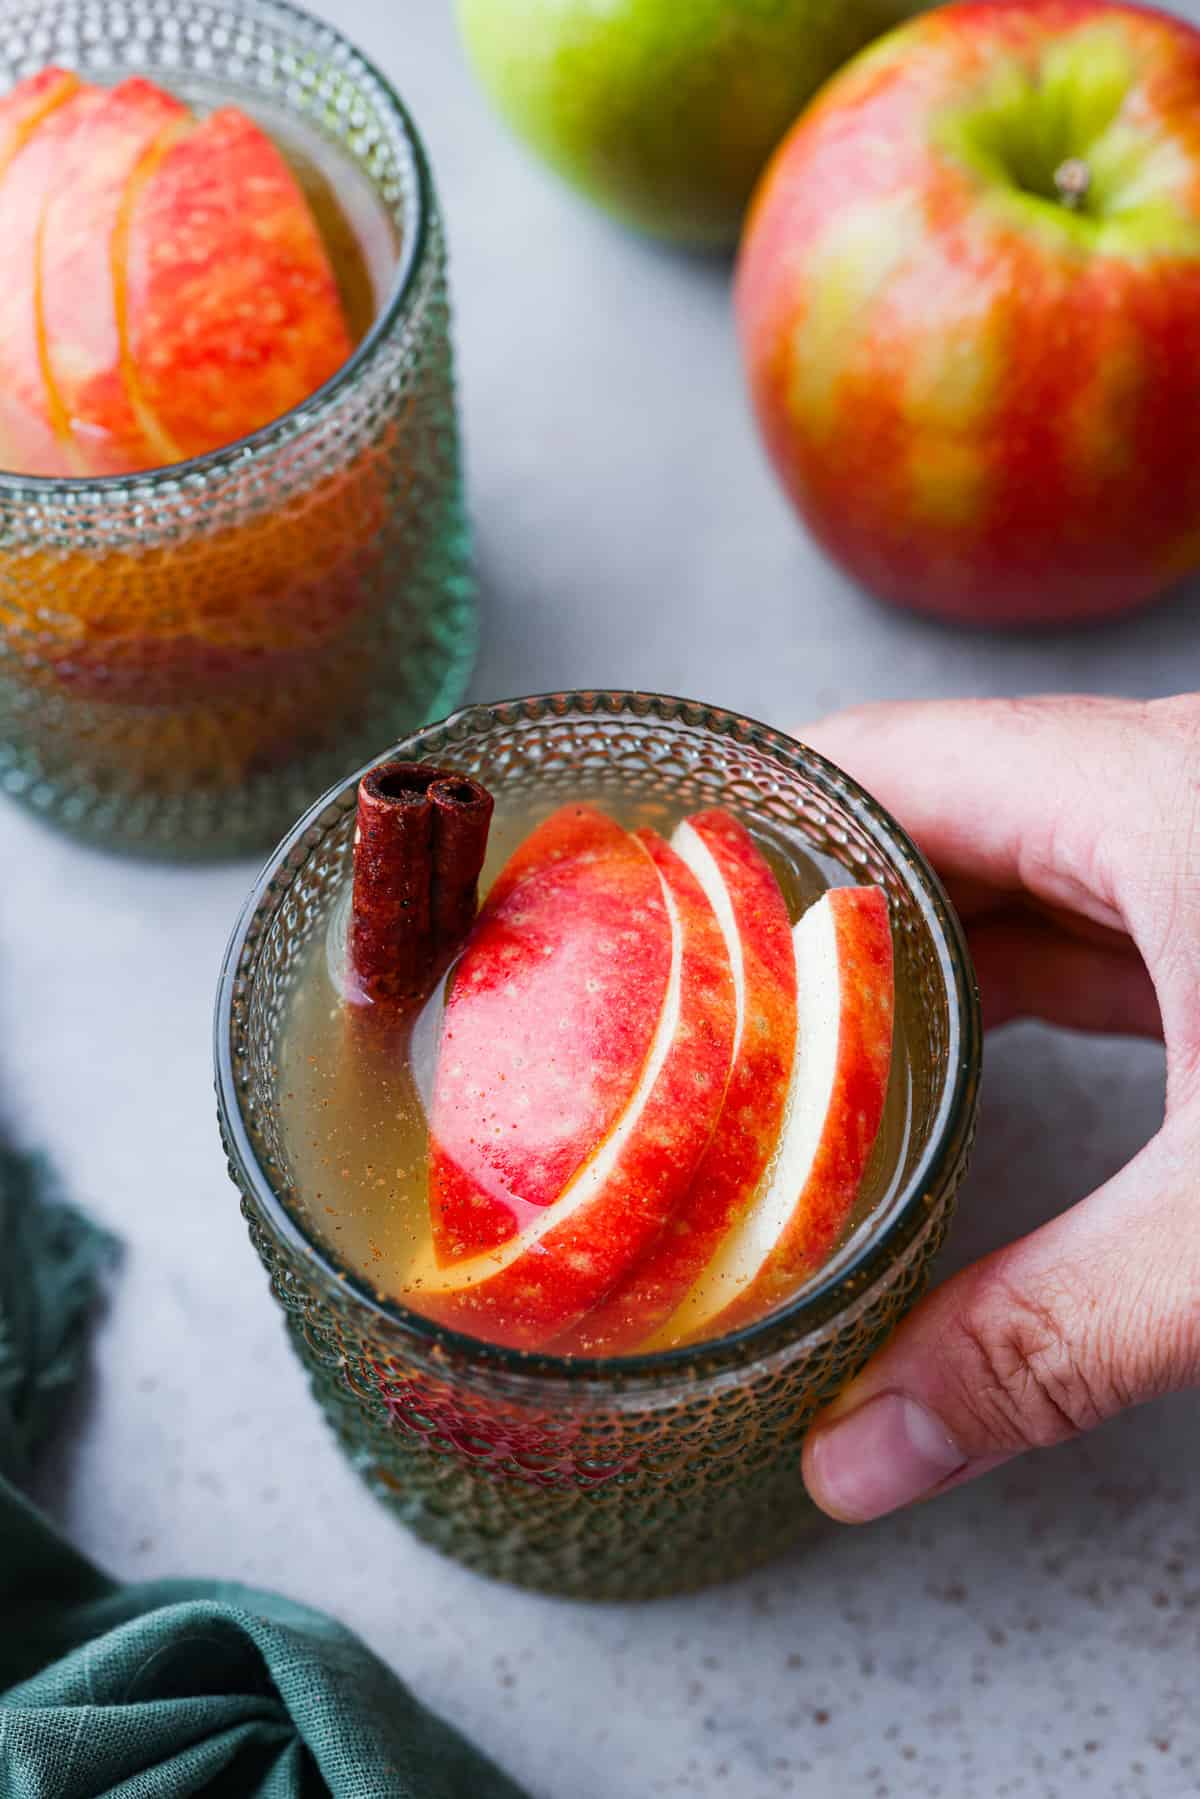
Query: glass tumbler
[
  {"x": 635, "y": 1476},
  {"x": 187, "y": 655}
]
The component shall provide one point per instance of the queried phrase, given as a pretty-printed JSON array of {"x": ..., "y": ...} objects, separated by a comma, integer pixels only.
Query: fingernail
[{"x": 884, "y": 1454}]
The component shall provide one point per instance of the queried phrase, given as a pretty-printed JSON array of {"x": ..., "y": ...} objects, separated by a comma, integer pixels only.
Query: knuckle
[
  {"x": 1025, "y": 1380},
  {"x": 1165, "y": 856},
  {"x": 1136, "y": 849},
  {"x": 1071, "y": 846},
  {"x": 1176, "y": 718},
  {"x": 1073, "y": 853}
]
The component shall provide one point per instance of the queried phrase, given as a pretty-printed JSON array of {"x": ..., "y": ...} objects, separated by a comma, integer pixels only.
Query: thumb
[{"x": 1098, "y": 1310}]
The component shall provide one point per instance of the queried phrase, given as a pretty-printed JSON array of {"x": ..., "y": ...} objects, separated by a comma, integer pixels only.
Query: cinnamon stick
[
  {"x": 462, "y": 816},
  {"x": 391, "y": 907},
  {"x": 419, "y": 846}
]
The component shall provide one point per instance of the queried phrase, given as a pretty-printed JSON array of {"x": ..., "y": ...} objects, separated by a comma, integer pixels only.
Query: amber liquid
[
  {"x": 351, "y": 1115},
  {"x": 251, "y": 633}
]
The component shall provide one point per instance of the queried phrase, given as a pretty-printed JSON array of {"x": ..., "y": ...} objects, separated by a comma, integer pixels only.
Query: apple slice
[
  {"x": 845, "y": 1004},
  {"x": 567, "y": 1255},
  {"x": 81, "y": 247},
  {"x": 232, "y": 313},
  {"x": 34, "y": 435},
  {"x": 754, "y": 921},
  {"x": 549, "y": 1020},
  {"x": 24, "y": 107}
]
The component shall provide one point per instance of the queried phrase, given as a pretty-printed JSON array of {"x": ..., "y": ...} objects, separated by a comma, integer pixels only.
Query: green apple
[{"x": 664, "y": 111}]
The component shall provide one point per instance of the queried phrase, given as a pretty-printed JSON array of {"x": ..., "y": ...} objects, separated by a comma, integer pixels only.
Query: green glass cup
[
  {"x": 187, "y": 655},
  {"x": 635, "y": 1476}
]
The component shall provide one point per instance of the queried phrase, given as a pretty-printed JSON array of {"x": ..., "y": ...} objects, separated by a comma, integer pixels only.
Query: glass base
[{"x": 612, "y": 1506}]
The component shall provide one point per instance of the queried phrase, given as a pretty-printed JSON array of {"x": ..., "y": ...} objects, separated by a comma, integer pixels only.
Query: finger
[
  {"x": 1017, "y": 794},
  {"x": 1029, "y": 968},
  {"x": 1096, "y": 1311}
]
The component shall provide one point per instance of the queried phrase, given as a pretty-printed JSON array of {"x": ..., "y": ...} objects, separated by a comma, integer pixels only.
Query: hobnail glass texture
[
  {"x": 187, "y": 655},
  {"x": 620, "y": 1478}
]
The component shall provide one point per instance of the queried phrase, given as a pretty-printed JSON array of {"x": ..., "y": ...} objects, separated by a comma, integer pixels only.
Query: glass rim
[
  {"x": 829, "y": 1296},
  {"x": 291, "y": 423}
]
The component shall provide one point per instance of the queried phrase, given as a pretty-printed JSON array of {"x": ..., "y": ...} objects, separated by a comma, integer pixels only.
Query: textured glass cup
[
  {"x": 637, "y": 1476},
  {"x": 187, "y": 655}
]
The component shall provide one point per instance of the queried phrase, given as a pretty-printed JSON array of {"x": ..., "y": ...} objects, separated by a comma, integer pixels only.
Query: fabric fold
[{"x": 169, "y": 1687}]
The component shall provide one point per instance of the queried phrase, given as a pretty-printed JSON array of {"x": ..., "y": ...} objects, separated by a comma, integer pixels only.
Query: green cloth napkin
[{"x": 173, "y": 1687}]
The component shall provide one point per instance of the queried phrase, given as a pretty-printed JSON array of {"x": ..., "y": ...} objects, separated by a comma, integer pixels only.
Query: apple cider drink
[
  {"x": 234, "y": 553},
  {"x": 593, "y": 1139},
  {"x": 634, "y": 1104}
]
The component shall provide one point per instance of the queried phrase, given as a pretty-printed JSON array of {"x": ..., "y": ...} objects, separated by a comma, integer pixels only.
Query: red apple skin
[
  {"x": 985, "y": 407},
  {"x": 34, "y": 435},
  {"x": 748, "y": 1128},
  {"x": 549, "y": 1286},
  {"x": 860, "y": 1082},
  {"x": 232, "y": 313},
  {"x": 550, "y": 1016},
  {"x": 568, "y": 834},
  {"x": 81, "y": 246}
]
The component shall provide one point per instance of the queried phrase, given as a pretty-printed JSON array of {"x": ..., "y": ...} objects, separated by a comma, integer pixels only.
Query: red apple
[
  {"x": 82, "y": 250},
  {"x": 845, "y": 1001},
  {"x": 969, "y": 301},
  {"x": 753, "y": 917},
  {"x": 632, "y": 1166},
  {"x": 232, "y": 313}
]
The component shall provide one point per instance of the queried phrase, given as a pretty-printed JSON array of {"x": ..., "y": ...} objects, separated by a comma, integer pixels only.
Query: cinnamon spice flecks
[{"x": 419, "y": 846}]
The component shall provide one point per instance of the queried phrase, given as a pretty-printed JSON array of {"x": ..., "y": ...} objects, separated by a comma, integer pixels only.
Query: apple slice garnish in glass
[
  {"x": 653, "y": 1099},
  {"x": 584, "y": 1058}
]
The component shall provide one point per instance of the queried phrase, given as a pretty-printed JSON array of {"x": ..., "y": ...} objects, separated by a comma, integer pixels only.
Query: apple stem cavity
[{"x": 1073, "y": 183}]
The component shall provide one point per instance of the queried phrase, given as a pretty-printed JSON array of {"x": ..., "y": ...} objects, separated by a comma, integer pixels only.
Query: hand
[{"x": 1068, "y": 833}]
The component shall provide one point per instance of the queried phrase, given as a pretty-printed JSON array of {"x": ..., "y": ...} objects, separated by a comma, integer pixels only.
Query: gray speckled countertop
[{"x": 1036, "y": 1635}]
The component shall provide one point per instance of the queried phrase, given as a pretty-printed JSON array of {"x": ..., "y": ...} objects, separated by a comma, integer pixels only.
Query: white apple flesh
[
  {"x": 750, "y": 909},
  {"x": 845, "y": 1011}
]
